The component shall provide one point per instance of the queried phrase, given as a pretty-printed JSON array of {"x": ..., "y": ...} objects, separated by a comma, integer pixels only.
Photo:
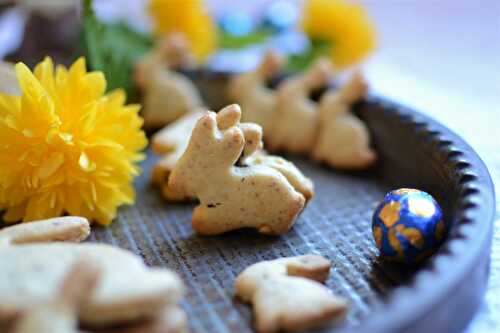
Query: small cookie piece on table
[
  {"x": 249, "y": 90},
  {"x": 167, "y": 94},
  {"x": 295, "y": 123},
  {"x": 287, "y": 294},
  {"x": 32, "y": 270},
  {"x": 231, "y": 197},
  {"x": 344, "y": 140}
]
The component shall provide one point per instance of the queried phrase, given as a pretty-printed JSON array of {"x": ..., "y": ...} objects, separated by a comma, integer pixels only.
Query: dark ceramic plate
[{"x": 441, "y": 295}]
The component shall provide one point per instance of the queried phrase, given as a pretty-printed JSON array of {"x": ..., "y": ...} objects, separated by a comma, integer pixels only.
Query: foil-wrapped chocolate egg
[{"x": 408, "y": 226}]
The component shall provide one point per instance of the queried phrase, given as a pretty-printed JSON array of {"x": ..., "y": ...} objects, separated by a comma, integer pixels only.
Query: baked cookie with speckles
[
  {"x": 167, "y": 93},
  {"x": 343, "y": 140},
  {"x": 249, "y": 90},
  {"x": 295, "y": 124},
  {"x": 288, "y": 294},
  {"x": 35, "y": 258},
  {"x": 231, "y": 196}
]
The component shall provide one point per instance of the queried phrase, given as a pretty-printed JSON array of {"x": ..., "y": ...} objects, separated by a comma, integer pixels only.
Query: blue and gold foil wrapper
[{"x": 408, "y": 226}]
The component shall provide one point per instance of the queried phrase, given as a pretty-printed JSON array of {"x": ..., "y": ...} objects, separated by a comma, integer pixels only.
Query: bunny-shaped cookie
[
  {"x": 176, "y": 138},
  {"x": 35, "y": 256},
  {"x": 254, "y": 155},
  {"x": 286, "y": 293},
  {"x": 232, "y": 197},
  {"x": 295, "y": 122},
  {"x": 167, "y": 95},
  {"x": 249, "y": 90},
  {"x": 60, "y": 314},
  {"x": 172, "y": 141},
  {"x": 343, "y": 141}
]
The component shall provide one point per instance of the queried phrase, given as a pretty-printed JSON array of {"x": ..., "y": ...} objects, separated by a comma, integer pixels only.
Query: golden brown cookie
[
  {"x": 172, "y": 141},
  {"x": 295, "y": 123},
  {"x": 231, "y": 197},
  {"x": 32, "y": 271},
  {"x": 172, "y": 320},
  {"x": 249, "y": 90},
  {"x": 60, "y": 229},
  {"x": 167, "y": 94},
  {"x": 286, "y": 294},
  {"x": 175, "y": 136},
  {"x": 344, "y": 141},
  {"x": 254, "y": 155},
  {"x": 60, "y": 314}
]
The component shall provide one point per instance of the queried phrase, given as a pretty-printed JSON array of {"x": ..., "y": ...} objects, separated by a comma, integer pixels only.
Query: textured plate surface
[
  {"x": 336, "y": 225},
  {"x": 415, "y": 152}
]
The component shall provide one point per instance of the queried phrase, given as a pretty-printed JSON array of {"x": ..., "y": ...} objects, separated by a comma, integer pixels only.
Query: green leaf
[
  {"x": 302, "y": 61},
  {"x": 229, "y": 41},
  {"x": 113, "y": 49}
]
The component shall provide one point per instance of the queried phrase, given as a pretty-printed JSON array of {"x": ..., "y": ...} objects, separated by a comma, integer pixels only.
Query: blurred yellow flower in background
[
  {"x": 188, "y": 17},
  {"x": 343, "y": 24},
  {"x": 66, "y": 146}
]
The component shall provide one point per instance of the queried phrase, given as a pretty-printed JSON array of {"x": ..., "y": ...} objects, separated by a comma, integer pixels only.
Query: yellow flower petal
[
  {"x": 78, "y": 69},
  {"x": 50, "y": 165},
  {"x": 188, "y": 18},
  {"x": 66, "y": 146},
  {"x": 34, "y": 99},
  {"x": 44, "y": 72},
  {"x": 85, "y": 163},
  {"x": 96, "y": 83},
  {"x": 344, "y": 24},
  {"x": 14, "y": 214},
  {"x": 42, "y": 205},
  {"x": 8, "y": 104}
]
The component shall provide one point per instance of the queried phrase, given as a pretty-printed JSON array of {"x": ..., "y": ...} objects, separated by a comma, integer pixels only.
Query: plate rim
[{"x": 435, "y": 284}]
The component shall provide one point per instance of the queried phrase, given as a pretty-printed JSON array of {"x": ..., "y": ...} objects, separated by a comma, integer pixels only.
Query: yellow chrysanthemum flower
[
  {"x": 188, "y": 17},
  {"x": 342, "y": 23},
  {"x": 66, "y": 146}
]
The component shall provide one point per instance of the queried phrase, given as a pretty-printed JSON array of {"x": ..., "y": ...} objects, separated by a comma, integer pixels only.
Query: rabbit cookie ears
[{"x": 173, "y": 140}]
